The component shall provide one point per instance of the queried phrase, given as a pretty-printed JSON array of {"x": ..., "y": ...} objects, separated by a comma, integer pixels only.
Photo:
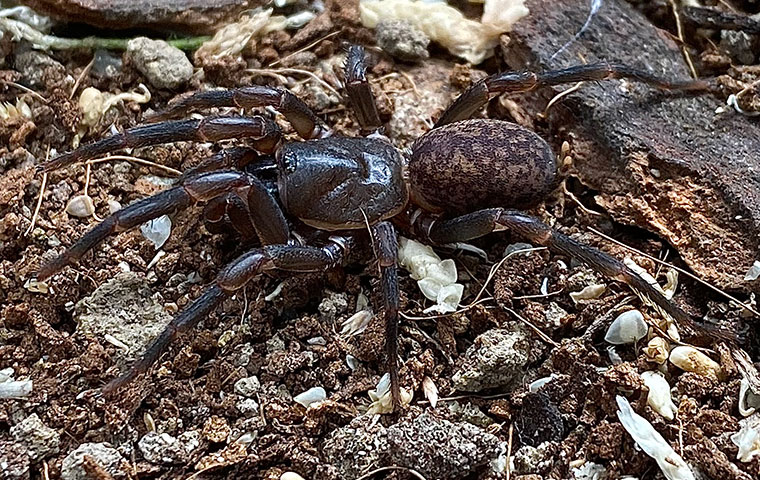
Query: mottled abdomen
[{"x": 474, "y": 164}]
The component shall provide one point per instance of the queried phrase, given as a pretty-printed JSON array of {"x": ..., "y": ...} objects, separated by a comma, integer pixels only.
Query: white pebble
[
  {"x": 352, "y": 362},
  {"x": 291, "y": 476},
  {"x": 690, "y": 359},
  {"x": 659, "y": 394},
  {"x": 80, "y": 206},
  {"x": 312, "y": 395},
  {"x": 589, "y": 293},
  {"x": 628, "y": 327},
  {"x": 753, "y": 272},
  {"x": 157, "y": 231},
  {"x": 15, "y": 389},
  {"x": 749, "y": 401}
]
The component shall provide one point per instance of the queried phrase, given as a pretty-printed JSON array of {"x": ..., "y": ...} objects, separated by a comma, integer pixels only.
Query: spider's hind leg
[{"x": 483, "y": 222}]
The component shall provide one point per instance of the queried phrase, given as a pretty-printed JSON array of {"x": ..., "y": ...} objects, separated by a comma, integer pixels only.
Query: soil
[{"x": 200, "y": 413}]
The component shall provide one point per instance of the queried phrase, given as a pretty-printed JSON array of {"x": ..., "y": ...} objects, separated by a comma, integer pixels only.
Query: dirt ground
[{"x": 220, "y": 403}]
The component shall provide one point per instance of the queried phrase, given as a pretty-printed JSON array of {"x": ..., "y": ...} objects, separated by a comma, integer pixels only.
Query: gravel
[
  {"x": 164, "y": 66},
  {"x": 497, "y": 359},
  {"x": 162, "y": 448},
  {"x": 103, "y": 454},
  {"x": 402, "y": 40},
  {"x": 38, "y": 439}
]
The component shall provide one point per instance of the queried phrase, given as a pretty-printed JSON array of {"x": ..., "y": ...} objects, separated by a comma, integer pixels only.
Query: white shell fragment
[
  {"x": 10, "y": 388},
  {"x": 628, "y": 327},
  {"x": 749, "y": 402},
  {"x": 35, "y": 286},
  {"x": 382, "y": 399},
  {"x": 468, "y": 39},
  {"x": 589, "y": 293},
  {"x": 435, "y": 277},
  {"x": 753, "y": 273},
  {"x": 536, "y": 385},
  {"x": 312, "y": 395},
  {"x": 657, "y": 350},
  {"x": 157, "y": 231},
  {"x": 690, "y": 359},
  {"x": 430, "y": 390},
  {"x": 80, "y": 206},
  {"x": 291, "y": 476},
  {"x": 650, "y": 440},
  {"x": 659, "y": 394},
  {"x": 356, "y": 323},
  {"x": 748, "y": 440}
]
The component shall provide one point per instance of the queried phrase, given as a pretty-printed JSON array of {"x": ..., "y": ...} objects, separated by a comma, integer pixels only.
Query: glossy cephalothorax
[{"x": 462, "y": 180}]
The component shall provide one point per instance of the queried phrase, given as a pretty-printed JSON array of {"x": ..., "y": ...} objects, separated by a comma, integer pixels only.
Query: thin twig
[
  {"x": 735, "y": 300},
  {"x": 39, "y": 204},
  {"x": 81, "y": 77},
  {"x": 559, "y": 97},
  {"x": 575, "y": 200},
  {"x": 88, "y": 174},
  {"x": 141, "y": 161},
  {"x": 26, "y": 89},
  {"x": 541, "y": 334},
  {"x": 307, "y": 47},
  {"x": 679, "y": 29},
  {"x": 294, "y": 70}
]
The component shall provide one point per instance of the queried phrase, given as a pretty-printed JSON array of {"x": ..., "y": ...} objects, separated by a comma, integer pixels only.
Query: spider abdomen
[{"x": 474, "y": 164}]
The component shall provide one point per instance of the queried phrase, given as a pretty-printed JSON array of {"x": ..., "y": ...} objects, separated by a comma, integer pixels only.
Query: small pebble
[
  {"x": 80, "y": 206},
  {"x": 402, "y": 40},
  {"x": 164, "y": 66},
  {"x": 628, "y": 327}
]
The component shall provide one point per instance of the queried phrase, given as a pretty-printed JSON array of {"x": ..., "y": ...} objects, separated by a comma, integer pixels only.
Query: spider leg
[
  {"x": 232, "y": 278},
  {"x": 267, "y": 216},
  {"x": 483, "y": 222},
  {"x": 386, "y": 251},
  {"x": 266, "y": 135},
  {"x": 523, "y": 81},
  {"x": 358, "y": 90},
  {"x": 304, "y": 121}
]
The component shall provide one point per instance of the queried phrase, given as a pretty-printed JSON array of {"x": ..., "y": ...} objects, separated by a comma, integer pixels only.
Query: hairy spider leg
[
  {"x": 233, "y": 277},
  {"x": 300, "y": 116},
  {"x": 385, "y": 244},
  {"x": 483, "y": 222},
  {"x": 478, "y": 95},
  {"x": 267, "y": 216},
  {"x": 358, "y": 90},
  {"x": 266, "y": 136}
]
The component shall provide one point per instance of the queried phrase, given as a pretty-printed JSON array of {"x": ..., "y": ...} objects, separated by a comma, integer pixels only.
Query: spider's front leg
[
  {"x": 266, "y": 136},
  {"x": 358, "y": 90},
  {"x": 300, "y": 116},
  {"x": 264, "y": 212},
  {"x": 478, "y": 95},
  {"x": 232, "y": 278},
  {"x": 483, "y": 222}
]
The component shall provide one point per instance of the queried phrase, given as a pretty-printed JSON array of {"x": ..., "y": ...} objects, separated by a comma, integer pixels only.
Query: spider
[{"x": 462, "y": 180}]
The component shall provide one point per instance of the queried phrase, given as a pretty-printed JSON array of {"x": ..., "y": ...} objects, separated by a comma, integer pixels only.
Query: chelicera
[{"x": 462, "y": 180}]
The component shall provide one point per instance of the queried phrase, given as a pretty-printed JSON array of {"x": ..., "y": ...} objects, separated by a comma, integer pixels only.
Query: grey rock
[
  {"x": 440, "y": 449},
  {"x": 248, "y": 407},
  {"x": 39, "y": 439},
  {"x": 124, "y": 308},
  {"x": 434, "y": 447},
  {"x": 164, "y": 66},
  {"x": 164, "y": 448},
  {"x": 740, "y": 46},
  {"x": 355, "y": 449},
  {"x": 333, "y": 305},
  {"x": 14, "y": 462},
  {"x": 467, "y": 412},
  {"x": 33, "y": 66},
  {"x": 105, "y": 456},
  {"x": 533, "y": 460},
  {"x": 497, "y": 358},
  {"x": 248, "y": 387},
  {"x": 402, "y": 40}
]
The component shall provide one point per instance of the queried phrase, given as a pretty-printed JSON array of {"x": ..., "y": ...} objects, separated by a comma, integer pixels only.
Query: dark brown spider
[{"x": 459, "y": 182}]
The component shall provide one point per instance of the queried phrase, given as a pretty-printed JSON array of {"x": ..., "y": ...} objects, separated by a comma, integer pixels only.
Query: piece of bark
[
  {"x": 191, "y": 16},
  {"x": 667, "y": 162}
]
